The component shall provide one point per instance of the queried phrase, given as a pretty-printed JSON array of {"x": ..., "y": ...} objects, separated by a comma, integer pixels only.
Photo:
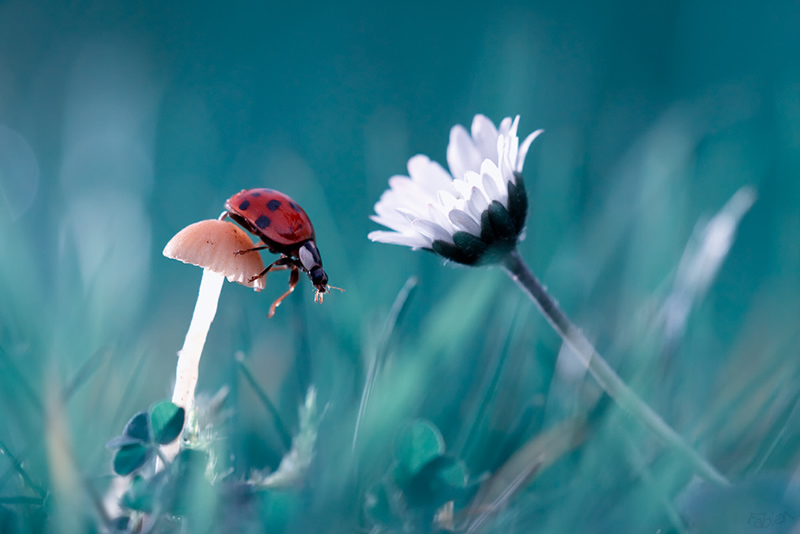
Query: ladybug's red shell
[{"x": 274, "y": 217}]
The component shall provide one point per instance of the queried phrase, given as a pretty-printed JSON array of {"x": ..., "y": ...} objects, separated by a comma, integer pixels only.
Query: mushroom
[{"x": 213, "y": 245}]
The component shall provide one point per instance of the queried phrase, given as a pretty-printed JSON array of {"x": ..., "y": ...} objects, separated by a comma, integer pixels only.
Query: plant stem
[
  {"x": 286, "y": 437},
  {"x": 381, "y": 351},
  {"x": 612, "y": 384}
]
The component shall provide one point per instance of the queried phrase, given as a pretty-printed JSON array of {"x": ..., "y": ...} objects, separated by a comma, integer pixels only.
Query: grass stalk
[{"x": 605, "y": 376}]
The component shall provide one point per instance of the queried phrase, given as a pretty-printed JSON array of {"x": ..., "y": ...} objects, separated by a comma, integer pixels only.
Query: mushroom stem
[{"x": 189, "y": 356}]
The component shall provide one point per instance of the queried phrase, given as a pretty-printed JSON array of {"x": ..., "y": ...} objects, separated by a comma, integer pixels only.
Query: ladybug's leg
[
  {"x": 277, "y": 265},
  {"x": 293, "y": 279},
  {"x": 245, "y": 251}
]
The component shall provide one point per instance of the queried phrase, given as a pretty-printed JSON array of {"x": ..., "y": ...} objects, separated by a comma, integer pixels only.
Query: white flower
[{"x": 471, "y": 216}]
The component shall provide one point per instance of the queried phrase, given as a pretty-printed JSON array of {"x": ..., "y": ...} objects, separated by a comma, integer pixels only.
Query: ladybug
[{"x": 285, "y": 229}]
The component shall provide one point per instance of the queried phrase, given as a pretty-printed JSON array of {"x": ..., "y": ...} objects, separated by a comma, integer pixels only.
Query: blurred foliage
[
  {"x": 144, "y": 433},
  {"x": 421, "y": 481},
  {"x": 121, "y": 123}
]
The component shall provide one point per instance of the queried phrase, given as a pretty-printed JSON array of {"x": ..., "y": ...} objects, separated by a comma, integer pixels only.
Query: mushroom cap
[{"x": 212, "y": 245}]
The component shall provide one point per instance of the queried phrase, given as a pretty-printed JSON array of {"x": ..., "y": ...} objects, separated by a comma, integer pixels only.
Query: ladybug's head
[
  {"x": 312, "y": 265},
  {"x": 319, "y": 278}
]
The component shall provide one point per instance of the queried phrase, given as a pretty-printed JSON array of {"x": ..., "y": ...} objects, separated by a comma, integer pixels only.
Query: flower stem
[{"x": 612, "y": 384}]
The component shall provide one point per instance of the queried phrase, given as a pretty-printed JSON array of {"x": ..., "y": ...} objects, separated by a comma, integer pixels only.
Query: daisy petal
[
  {"x": 523, "y": 149},
  {"x": 512, "y": 131},
  {"x": 398, "y": 224},
  {"x": 432, "y": 230},
  {"x": 512, "y": 141},
  {"x": 462, "y": 155},
  {"x": 446, "y": 199},
  {"x": 462, "y": 188},
  {"x": 478, "y": 203},
  {"x": 435, "y": 215},
  {"x": 505, "y": 127},
  {"x": 393, "y": 238},
  {"x": 473, "y": 179},
  {"x": 490, "y": 186},
  {"x": 465, "y": 222},
  {"x": 484, "y": 135},
  {"x": 491, "y": 171},
  {"x": 428, "y": 174},
  {"x": 410, "y": 216}
]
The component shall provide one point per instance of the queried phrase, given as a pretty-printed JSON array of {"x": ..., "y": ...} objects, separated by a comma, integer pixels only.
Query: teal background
[{"x": 121, "y": 123}]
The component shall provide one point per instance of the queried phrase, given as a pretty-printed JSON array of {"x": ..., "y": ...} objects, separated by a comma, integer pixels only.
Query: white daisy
[{"x": 472, "y": 215}]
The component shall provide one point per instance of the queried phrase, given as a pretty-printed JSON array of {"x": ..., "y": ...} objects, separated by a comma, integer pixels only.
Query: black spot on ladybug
[
  {"x": 255, "y": 194},
  {"x": 273, "y": 204},
  {"x": 262, "y": 221},
  {"x": 294, "y": 206},
  {"x": 244, "y": 205}
]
